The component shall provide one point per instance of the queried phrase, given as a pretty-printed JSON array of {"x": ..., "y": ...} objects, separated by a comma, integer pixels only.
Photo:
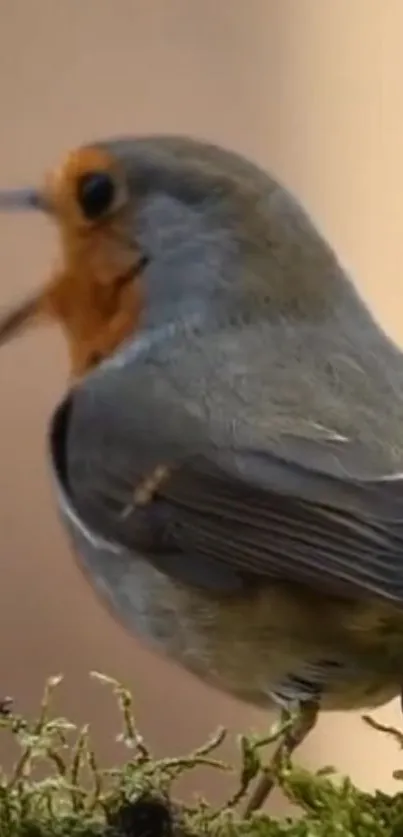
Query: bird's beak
[
  {"x": 20, "y": 200},
  {"x": 32, "y": 310},
  {"x": 27, "y": 313}
]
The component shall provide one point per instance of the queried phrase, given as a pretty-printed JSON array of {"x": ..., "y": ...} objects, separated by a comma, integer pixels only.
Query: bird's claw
[
  {"x": 293, "y": 737},
  {"x": 6, "y": 706}
]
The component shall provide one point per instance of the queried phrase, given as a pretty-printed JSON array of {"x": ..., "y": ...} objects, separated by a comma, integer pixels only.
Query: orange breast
[
  {"x": 97, "y": 296},
  {"x": 95, "y": 318}
]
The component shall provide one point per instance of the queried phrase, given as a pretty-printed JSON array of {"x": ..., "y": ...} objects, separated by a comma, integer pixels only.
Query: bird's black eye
[{"x": 95, "y": 194}]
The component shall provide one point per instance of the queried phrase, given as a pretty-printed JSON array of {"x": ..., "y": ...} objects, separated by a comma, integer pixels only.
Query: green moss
[{"x": 139, "y": 798}]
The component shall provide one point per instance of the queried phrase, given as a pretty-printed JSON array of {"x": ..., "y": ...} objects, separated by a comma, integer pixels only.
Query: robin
[{"x": 228, "y": 458}]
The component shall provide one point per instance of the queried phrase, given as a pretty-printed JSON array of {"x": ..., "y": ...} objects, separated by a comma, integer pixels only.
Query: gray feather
[{"x": 260, "y": 377}]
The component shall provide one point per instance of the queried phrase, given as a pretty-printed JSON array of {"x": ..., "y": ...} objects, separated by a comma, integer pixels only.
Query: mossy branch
[{"x": 78, "y": 798}]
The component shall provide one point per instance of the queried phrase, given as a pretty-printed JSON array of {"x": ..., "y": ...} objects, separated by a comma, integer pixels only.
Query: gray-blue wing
[{"x": 231, "y": 518}]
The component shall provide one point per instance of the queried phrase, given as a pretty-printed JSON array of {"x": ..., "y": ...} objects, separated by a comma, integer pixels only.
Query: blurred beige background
[{"x": 310, "y": 88}]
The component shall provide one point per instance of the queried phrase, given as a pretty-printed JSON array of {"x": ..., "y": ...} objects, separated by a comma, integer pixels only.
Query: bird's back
[{"x": 302, "y": 319}]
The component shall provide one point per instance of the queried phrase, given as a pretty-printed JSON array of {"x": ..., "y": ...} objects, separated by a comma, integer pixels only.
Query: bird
[{"x": 227, "y": 456}]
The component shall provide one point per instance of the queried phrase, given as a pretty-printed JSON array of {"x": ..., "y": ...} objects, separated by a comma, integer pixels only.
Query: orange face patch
[{"x": 96, "y": 296}]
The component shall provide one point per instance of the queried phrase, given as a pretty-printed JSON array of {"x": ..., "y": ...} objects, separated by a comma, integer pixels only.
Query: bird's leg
[
  {"x": 293, "y": 737},
  {"x": 146, "y": 489},
  {"x": 6, "y": 706}
]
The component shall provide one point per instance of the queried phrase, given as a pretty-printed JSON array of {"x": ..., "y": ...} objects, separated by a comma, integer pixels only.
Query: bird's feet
[
  {"x": 6, "y": 706},
  {"x": 293, "y": 737}
]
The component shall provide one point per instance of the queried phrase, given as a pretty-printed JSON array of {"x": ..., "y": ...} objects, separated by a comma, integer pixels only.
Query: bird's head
[
  {"x": 170, "y": 230},
  {"x": 95, "y": 293}
]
